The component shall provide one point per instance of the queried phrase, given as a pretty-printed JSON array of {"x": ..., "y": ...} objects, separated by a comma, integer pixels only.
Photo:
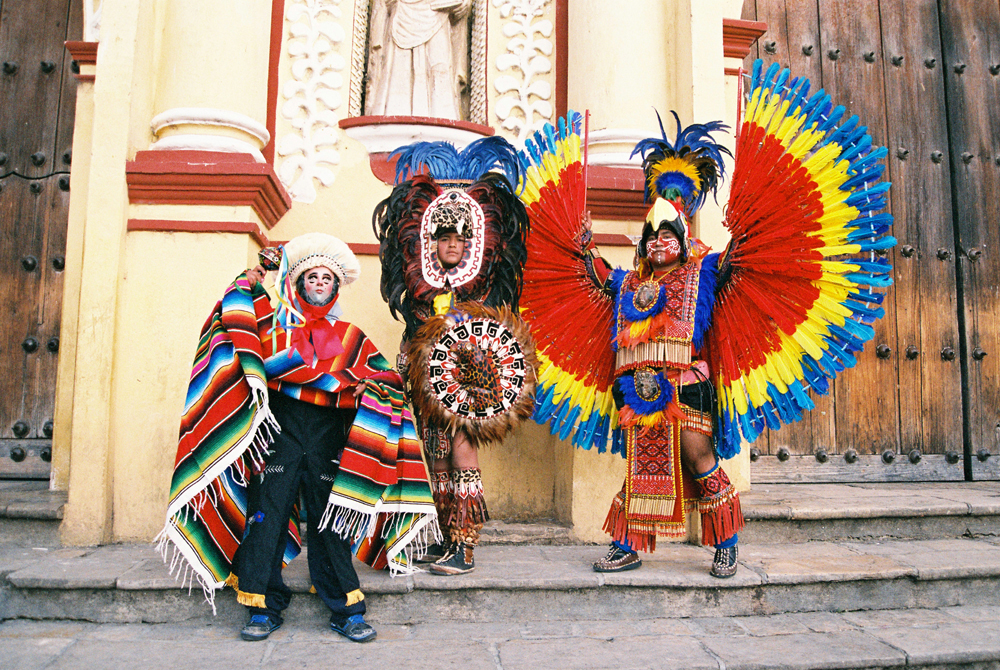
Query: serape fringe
[{"x": 381, "y": 499}]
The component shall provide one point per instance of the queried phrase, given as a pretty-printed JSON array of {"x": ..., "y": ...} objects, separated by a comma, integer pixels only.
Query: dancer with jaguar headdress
[{"x": 452, "y": 244}]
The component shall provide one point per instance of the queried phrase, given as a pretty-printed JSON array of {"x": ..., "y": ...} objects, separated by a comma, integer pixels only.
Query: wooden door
[
  {"x": 970, "y": 31},
  {"x": 907, "y": 412},
  {"x": 38, "y": 96}
]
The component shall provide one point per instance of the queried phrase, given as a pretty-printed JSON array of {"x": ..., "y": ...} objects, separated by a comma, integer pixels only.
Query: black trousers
[{"x": 306, "y": 453}]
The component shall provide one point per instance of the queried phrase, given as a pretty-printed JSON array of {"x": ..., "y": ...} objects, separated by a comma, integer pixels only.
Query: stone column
[
  {"x": 181, "y": 86},
  {"x": 212, "y": 81},
  {"x": 101, "y": 233}
]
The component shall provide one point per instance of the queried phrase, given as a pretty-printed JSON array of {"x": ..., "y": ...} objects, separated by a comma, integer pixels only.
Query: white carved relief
[
  {"x": 524, "y": 103},
  {"x": 92, "y": 20},
  {"x": 311, "y": 96},
  {"x": 417, "y": 58}
]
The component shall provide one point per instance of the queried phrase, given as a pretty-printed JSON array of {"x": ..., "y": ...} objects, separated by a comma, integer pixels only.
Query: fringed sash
[
  {"x": 651, "y": 503},
  {"x": 225, "y": 430}
]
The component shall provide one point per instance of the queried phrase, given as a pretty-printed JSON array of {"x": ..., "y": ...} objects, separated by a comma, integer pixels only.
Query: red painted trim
[
  {"x": 562, "y": 56},
  {"x": 612, "y": 240},
  {"x": 162, "y": 226},
  {"x": 363, "y": 248},
  {"x": 732, "y": 71},
  {"x": 359, "y": 248},
  {"x": 616, "y": 193},
  {"x": 277, "y": 32},
  {"x": 84, "y": 53},
  {"x": 738, "y": 35},
  {"x": 383, "y": 167},
  {"x": 207, "y": 178},
  {"x": 352, "y": 122}
]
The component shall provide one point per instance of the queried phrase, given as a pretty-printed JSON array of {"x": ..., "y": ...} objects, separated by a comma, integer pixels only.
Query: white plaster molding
[
  {"x": 255, "y": 135},
  {"x": 311, "y": 96},
  {"x": 92, "y": 20},
  {"x": 207, "y": 116},
  {"x": 524, "y": 103},
  {"x": 385, "y": 137},
  {"x": 611, "y": 147}
]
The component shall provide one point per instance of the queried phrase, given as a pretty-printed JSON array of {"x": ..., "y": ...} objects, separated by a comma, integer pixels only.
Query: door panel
[
  {"x": 38, "y": 96},
  {"x": 971, "y": 34},
  {"x": 925, "y": 289}
]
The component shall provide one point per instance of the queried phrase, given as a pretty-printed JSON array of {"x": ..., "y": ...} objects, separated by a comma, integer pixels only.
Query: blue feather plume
[
  {"x": 693, "y": 144},
  {"x": 446, "y": 163}
]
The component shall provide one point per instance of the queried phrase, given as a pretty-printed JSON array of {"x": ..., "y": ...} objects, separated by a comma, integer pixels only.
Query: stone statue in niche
[{"x": 418, "y": 58}]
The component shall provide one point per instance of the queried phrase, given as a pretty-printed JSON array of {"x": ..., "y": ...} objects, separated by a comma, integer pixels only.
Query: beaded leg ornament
[{"x": 441, "y": 488}]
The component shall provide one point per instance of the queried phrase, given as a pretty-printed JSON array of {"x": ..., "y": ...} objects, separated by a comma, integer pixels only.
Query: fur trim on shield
[{"x": 480, "y": 430}]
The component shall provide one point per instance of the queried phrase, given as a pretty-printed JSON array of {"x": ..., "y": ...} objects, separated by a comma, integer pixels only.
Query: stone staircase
[{"x": 807, "y": 548}]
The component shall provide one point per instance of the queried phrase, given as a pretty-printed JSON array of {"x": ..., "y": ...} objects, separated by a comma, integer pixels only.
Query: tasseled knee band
[
  {"x": 719, "y": 506},
  {"x": 442, "y": 492},
  {"x": 468, "y": 509},
  {"x": 616, "y": 525}
]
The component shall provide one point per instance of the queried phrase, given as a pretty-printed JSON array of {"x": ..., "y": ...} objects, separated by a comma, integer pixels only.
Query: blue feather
[
  {"x": 800, "y": 395},
  {"x": 618, "y": 443},
  {"x": 443, "y": 162},
  {"x": 569, "y": 423},
  {"x": 707, "y": 285}
]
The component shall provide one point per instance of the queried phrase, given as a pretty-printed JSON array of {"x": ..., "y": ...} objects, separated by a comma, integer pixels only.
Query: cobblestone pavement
[{"x": 946, "y": 637}]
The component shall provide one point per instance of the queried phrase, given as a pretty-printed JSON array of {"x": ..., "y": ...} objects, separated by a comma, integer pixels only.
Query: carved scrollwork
[
  {"x": 524, "y": 103},
  {"x": 311, "y": 97}
]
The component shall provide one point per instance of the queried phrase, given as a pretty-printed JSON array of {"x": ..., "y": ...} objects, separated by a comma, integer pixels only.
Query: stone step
[
  {"x": 544, "y": 531},
  {"x": 30, "y": 514},
  {"x": 775, "y": 513},
  {"x": 129, "y": 583},
  {"x": 781, "y": 513}
]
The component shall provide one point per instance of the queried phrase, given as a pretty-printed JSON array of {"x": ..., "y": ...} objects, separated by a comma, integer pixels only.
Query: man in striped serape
[{"x": 303, "y": 339}]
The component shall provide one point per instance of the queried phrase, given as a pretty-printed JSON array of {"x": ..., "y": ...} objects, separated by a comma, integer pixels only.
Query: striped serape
[
  {"x": 381, "y": 498},
  {"x": 226, "y": 428},
  {"x": 224, "y": 433}
]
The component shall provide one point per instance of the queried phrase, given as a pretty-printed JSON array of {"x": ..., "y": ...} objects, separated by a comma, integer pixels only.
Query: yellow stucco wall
[{"x": 135, "y": 301}]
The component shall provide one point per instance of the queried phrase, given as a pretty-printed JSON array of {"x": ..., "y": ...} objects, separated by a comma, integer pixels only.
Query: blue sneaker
[
  {"x": 259, "y": 627},
  {"x": 354, "y": 628}
]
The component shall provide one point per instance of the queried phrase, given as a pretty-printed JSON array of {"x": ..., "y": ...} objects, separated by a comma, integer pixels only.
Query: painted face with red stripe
[{"x": 663, "y": 250}]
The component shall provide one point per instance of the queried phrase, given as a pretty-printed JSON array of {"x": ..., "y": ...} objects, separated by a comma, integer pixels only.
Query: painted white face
[
  {"x": 320, "y": 285},
  {"x": 450, "y": 248}
]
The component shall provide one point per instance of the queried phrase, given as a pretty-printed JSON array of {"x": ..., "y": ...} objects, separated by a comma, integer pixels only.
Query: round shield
[{"x": 476, "y": 369}]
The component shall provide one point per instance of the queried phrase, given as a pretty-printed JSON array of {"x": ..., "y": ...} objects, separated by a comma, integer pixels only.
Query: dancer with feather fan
[
  {"x": 452, "y": 244},
  {"x": 677, "y": 361}
]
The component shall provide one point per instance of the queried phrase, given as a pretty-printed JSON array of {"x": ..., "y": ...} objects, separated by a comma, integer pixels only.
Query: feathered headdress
[
  {"x": 440, "y": 188},
  {"x": 686, "y": 170},
  {"x": 447, "y": 165}
]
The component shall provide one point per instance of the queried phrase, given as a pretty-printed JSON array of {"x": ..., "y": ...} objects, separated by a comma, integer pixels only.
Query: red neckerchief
[{"x": 317, "y": 336}]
